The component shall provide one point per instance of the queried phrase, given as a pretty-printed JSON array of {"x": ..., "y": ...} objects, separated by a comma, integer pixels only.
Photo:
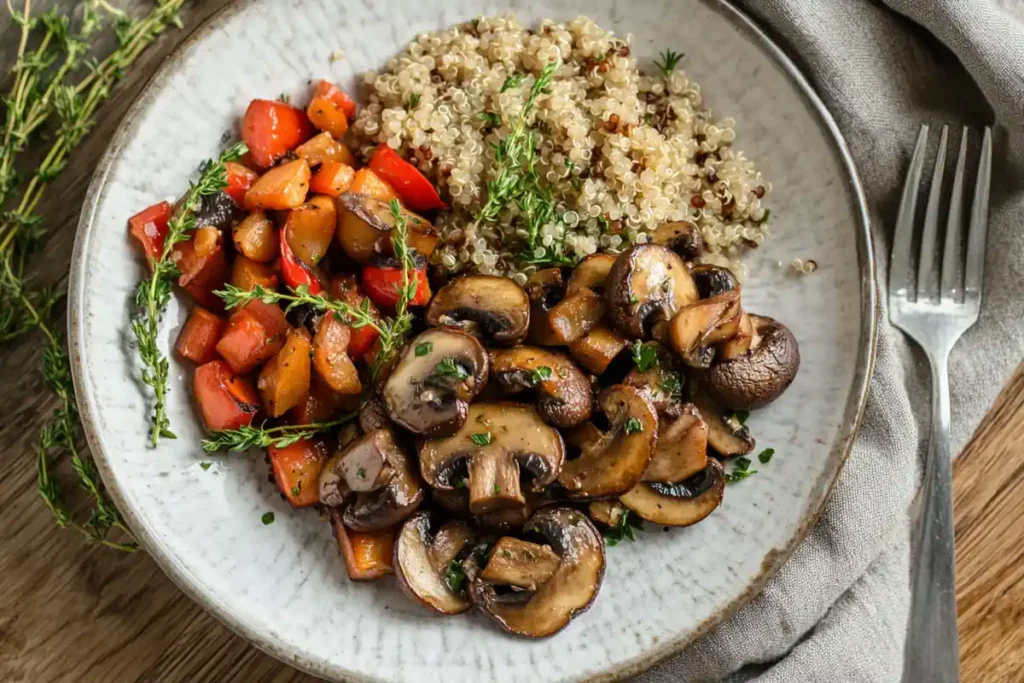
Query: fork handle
[{"x": 932, "y": 652}]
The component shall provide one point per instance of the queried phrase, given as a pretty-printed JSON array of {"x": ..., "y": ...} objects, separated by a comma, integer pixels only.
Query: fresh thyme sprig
[
  {"x": 244, "y": 438},
  {"x": 356, "y": 317},
  {"x": 154, "y": 293},
  {"x": 623, "y": 529}
]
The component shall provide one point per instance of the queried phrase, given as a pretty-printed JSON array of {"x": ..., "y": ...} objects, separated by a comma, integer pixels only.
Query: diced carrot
[
  {"x": 330, "y": 356},
  {"x": 369, "y": 183},
  {"x": 345, "y": 288},
  {"x": 282, "y": 187},
  {"x": 322, "y": 148},
  {"x": 284, "y": 381},
  {"x": 248, "y": 342},
  {"x": 198, "y": 338},
  {"x": 327, "y": 116},
  {"x": 246, "y": 274},
  {"x": 149, "y": 227},
  {"x": 256, "y": 237},
  {"x": 269, "y": 315},
  {"x": 271, "y": 129},
  {"x": 367, "y": 555},
  {"x": 309, "y": 229},
  {"x": 332, "y": 178},
  {"x": 204, "y": 267},
  {"x": 240, "y": 179},
  {"x": 225, "y": 401},
  {"x": 297, "y": 470},
  {"x": 337, "y": 95}
]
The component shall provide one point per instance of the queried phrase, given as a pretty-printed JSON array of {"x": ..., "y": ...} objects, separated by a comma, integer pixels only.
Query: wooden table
[{"x": 70, "y": 612}]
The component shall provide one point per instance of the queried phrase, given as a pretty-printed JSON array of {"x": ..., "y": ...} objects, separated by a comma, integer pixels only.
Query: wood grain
[{"x": 69, "y": 612}]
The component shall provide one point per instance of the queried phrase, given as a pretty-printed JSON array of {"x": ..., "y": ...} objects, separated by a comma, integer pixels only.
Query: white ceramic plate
[{"x": 283, "y": 586}]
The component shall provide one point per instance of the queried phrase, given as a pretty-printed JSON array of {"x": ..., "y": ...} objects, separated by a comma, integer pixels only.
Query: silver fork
[{"x": 935, "y": 309}]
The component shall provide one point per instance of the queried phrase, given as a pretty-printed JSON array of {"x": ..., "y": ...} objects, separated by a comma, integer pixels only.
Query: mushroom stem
[
  {"x": 518, "y": 563},
  {"x": 494, "y": 481}
]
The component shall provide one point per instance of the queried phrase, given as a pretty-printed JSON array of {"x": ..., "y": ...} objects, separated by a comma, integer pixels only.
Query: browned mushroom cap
[
  {"x": 662, "y": 382},
  {"x": 713, "y": 280},
  {"x": 758, "y": 377},
  {"x": 682, "y": 504},
  {"x": 371, "y": 233},
  {"x": 696, "y": 327},
  {"x": 596, "y": 350},
  {"x": 496, "y": 441},
  {"x": 646, "y": 286},
  {"x": 563, "y": 393},
  {"x": 726, "y": 435},
  {"x": 373, "y": 477},
  {"x": 682, "y": 237},
  {"x": 484, "y": 306},
  {"x": 427, "y": 565},
  {"x": 560, "y": 596},
  {"x": 682, "y": 447},
  {"x": 429, "y": 390},
  {"x": 373, "y": 415},
  {"x": 555, "y": 318},
  {"x": 591, "y": 273},
  {"x": 613, "y": 461}
]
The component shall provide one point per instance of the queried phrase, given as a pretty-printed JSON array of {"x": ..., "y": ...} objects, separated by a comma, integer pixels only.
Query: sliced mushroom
[
  {"x": 662, "y": 382},
  {"x": 613, "y": 461},
  {"x": 430, "y": 388},
  {"x": 484, "y": 306},
  {"x": 682, "y": 448},
  {"x": 518, "y": 563},
  {"x": 591, "y": 273},
  {"x": 375, "y": 481},
  {"x": 606, "y": 512},
  {"x": 758, "y": 377},
  {"x": 569, "y": 319},
  {"x": 647, "y": 285},
  {"x": 500, "y": 521},
  {"x": 596, "y": 350},
  {"x": 373, "y": 415},
  {"x": 563, "y": 393},
  {"x": 696, "y": 327},
  {"x": 740, "y": 342},
  {"x": 427, "y": 565},
  {"x": 494, "y": 443},
  {"x": 713, "y": 280},
  {"x": 566, "y": 593},
  {"x": 681, "y": 504},
  {"x": 726, "y": 436},
  {"x": 682, "y": 237}
]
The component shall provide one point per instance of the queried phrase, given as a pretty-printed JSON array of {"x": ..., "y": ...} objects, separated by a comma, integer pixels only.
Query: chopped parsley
[
  {"x": 633, "y": 299},
  {"x": 497, "y": 489},
  {"x": 623, "y": 529},
  {"x": 205, "y": 465},
  {"x": 424, "y": 348},
  {"x": 649, "y": 118},
  {"x": 765, "y": 456},
  {"x": 296, "y": 489},
  {"x": 671, "y": 384},
  {"x": 741, "y": 470},
  {"x": 449, "y": 368},
  {"x": 267, "y": 518},
  {"x": 645, "y": 356},
  {"x": 455, "y": 577},
  {"x": 540, "y": 374},
  {"x": 490, "y": 118},
  {"x": 461, "y": 484},
  {"x": 361, "y": 473},
  {"x": 633, "y": 426},
  {"x": 481, "y": 439},
  {"x": 414, "y": 100},
  {"x": 284, "y": 98},
  {"x": 764, "y": 218}
]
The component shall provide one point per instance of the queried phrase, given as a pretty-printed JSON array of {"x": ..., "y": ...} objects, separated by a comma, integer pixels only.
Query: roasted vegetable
[
  {"x": 415, "y": 190},
  {"x": 284, "y": 381},
  {"x": 332, "y": 178},
  {"x": 149, "y": 227},
  {"x": 256, "y": 237},
  {"x": 297, "y": 469},
  {"x": 271, "y": 129},
  {"x": 282, "y": 187},
  {"x": 225, "y": 400},
  {"x": 198, "y": 338}
]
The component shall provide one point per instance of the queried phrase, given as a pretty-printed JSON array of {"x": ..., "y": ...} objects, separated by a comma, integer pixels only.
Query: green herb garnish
[
  {"x": 765, "y": 456},
  {"x": 623, "y": 529},
  {"x": 513, "y": 81},
  {"x": 481, "y": 439},
  {"x": 633, "y": 425},
  {"x": 741, "y": 416},
  {"x": 267, "y": 518},
  {"x": 449, "y": 368},
  {"x": 455, "y": 577},
  {"x": 285, "y": 98},
  {"x": 540, "y": 374},
  {"x": 423, "y": 348},
  {"x": 246, "y": 437},
  {"x": 671, "y": 385},
  {"x": 497, "y": 489},
  {"x": 645, "y": 356},
  {"x": 741, "y": 470},
  {"x": 669, "y": 60},
  {"x": 490, "y": 119},
  {"x": 414, "y": 100}
]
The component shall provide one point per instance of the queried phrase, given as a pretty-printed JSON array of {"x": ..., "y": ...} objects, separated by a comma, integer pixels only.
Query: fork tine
[
  {"x": 927, "y": 273},
  {"x": 950, "y": 286},
  {"x": 975, "y": 266},
  {"x": 899, "y": 263}
]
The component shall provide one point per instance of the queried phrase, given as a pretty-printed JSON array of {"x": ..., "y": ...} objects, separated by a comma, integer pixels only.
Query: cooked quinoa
[{"x": 623, "y": 150}]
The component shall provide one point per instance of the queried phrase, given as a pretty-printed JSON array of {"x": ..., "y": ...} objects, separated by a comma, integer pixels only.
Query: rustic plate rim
[{"x": 773, "y": 561}]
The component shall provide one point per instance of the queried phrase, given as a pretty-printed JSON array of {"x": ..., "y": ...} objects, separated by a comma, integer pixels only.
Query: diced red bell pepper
[
  {"x": 240, "y": 179},
  {"x": 329, "y": 91},
  {"x": 345, "y": 288},
  {"x": 149, "y": 227},
  {"x": 248, "y": 343},
  {"x": 225, "y": 400},
  {"x": 415, "y": 190},
  {"x": 382, "y": 283},
  {"x": 295, "y": 272},
  {"x": 204, "y": 267},
  {"x": 297, "y": 470},
  {"x": 271, "y": 129},
  {"x": 198, "y": 338}
]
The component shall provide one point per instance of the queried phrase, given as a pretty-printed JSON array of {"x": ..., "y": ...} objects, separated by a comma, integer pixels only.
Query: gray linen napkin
[{"x": 838, "y": 609}]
